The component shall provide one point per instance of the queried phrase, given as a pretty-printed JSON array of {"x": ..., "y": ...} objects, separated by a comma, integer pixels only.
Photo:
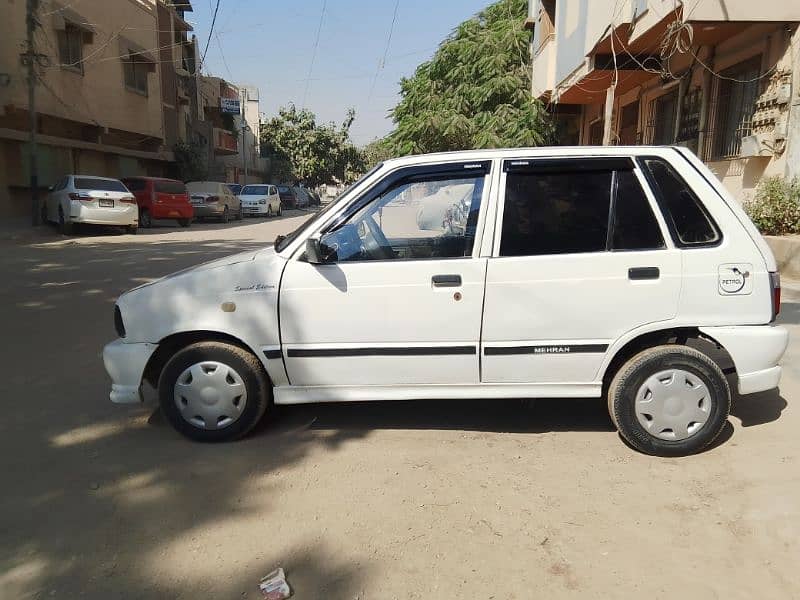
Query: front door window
[{"x": 427, "y": 219}]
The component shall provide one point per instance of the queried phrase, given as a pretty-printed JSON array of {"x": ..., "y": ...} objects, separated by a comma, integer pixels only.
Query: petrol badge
[{"x": 735, "y": 279}]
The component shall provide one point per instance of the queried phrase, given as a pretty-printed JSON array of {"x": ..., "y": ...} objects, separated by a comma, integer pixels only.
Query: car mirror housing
[{"x": 318, "y": 253}]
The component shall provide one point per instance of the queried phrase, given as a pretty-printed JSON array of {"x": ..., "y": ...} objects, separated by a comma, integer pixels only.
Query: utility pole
[
  {"x": 30, "y": 58},
  {"x": 244, "y": 136}
]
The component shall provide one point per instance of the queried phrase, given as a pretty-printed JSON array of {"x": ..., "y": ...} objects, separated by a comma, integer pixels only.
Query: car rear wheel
[
  {"x": 63, "y": 225},
  {"x": 213, "y": 391},
  {"x": 225, "y": 215},
  {"x": 184, "y": 222},
  {"x": 144, "y": 219},
  {"x": 669, "y": 401}
]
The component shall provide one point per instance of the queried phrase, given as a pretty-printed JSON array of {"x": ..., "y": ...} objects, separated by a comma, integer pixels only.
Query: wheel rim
[
  {"x": 210, "y": 395},
  {"x": 673, "y": 404}
]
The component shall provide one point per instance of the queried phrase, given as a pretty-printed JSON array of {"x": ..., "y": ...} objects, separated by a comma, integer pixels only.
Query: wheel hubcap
[
  {"x": 673, "y": 404},
  {"x": 210, "y": 395}
]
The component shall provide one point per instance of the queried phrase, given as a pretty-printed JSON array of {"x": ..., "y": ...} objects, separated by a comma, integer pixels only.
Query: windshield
[
  {"x": 282, "y": 242},
  {"x": 252, "y": 190}
]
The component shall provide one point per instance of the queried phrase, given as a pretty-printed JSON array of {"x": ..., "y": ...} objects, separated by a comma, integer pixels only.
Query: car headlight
[{"x": 262, "y": 201}]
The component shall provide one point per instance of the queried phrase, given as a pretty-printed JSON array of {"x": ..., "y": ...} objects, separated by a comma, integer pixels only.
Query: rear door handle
[
  {"x": 446, "y": 280},
  {"x": 639, "y": 273}
]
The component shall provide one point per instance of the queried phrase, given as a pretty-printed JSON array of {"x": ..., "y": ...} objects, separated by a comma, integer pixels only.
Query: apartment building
[
  {"x": 104, "y": 76},
  {"x": 230, "y": 123},
  {"x": 721, "y": 77}
]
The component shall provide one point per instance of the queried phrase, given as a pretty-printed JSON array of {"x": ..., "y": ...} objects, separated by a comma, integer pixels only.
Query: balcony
[
  {"x": 225, "y": 142},
  {"x": 544, "y": 68}
]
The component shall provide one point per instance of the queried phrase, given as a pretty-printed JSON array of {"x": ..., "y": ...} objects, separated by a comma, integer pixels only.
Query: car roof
[
  {"x": 529, "y": 152},
  {"x": 147, "y": 178},
  {"x": 94, "y": 177}
]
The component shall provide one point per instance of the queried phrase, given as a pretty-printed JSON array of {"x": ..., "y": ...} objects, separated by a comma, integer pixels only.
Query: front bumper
[
  {"x": 125, "y": 364},
  {"x": 255, "y": 209},
  {"x": 756, "y": 351}
]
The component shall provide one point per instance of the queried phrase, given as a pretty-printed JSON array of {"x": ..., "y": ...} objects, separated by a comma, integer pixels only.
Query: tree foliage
[
  {"x": 190, "y": 162},
  {"x": 304, "y": 151},
  {"x": 475, "y": 91},
  {"x": 376, "y": 151}
]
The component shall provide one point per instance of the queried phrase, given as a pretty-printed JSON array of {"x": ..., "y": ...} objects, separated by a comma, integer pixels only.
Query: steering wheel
[{"x": 379, "y": 247}]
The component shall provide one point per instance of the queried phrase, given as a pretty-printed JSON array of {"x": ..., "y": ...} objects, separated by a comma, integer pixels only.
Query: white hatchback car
[
  {"x": 92, "y": 201},
  {"x": 624, "y": 273},
  {"x": 260, "y": 199}
]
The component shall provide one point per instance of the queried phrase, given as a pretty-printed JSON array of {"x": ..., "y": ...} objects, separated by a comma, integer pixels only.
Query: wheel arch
[
  {"x": 169, "y": 345},
  {"x": 683, "y": 335}
]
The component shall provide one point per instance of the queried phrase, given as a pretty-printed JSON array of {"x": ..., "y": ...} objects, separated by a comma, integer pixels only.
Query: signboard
[{"x": 229, "y": 105}]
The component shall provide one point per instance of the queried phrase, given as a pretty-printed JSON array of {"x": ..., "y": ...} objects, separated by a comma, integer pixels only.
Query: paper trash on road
[{"x": 274, "y": 587}]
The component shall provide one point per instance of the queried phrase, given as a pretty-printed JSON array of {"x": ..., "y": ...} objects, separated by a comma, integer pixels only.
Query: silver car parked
[{"x": 212, "y": 199}]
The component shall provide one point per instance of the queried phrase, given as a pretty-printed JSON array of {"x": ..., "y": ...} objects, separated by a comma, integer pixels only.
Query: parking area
[{"x": 424, "y": 499}]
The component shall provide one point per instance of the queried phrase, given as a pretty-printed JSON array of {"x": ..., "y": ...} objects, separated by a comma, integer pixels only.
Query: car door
[
  {"x": 580, "y": 257},
  {"x": 400, "y": 300}
]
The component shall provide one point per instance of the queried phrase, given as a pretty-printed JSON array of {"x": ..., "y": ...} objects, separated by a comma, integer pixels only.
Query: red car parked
[{"x": 160, "y": 199}]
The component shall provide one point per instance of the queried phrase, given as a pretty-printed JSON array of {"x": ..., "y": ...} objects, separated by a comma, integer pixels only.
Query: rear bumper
[
  {"x": 120, "y": 214},
  {"x": 165, "y": 211},
  {"x": 125, "y": 364},
  {"x": 208, "y": 210},
  {"x": 756, "y": 351}
]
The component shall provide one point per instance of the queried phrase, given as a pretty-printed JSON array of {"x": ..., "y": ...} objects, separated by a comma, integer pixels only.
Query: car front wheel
[
  {"x": 669, "y": 401},
  {"x": 213, "y": 391}
]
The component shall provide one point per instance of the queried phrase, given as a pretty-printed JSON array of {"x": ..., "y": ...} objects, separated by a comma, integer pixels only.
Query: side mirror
[{"x": 318, "y": 253}]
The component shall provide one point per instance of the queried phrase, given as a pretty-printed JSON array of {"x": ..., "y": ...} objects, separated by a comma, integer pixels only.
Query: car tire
[
  {"x": 184, "y": 222},
  {"x": 239, "y": 366},
  {"x": 656, "y": 418},
  {"x": 225, "y": 215},
  {"x": 144, "y": 219},
  {"x": 64, "y": 226},
  {"x": 132, "y": 229}
]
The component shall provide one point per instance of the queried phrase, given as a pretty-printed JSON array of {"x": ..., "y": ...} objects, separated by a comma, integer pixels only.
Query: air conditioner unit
[{"x": 759, "y": 144}]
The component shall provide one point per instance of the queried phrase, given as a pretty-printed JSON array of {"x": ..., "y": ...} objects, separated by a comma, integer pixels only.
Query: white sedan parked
[
  {"x": 261, "y": 200},
  {"x": 90, "y": 200}
]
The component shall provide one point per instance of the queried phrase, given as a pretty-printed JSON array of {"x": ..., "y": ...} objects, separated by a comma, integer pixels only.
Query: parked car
[
  {"x": 211, "y": 199},
  {"x": 260, "y": 199},
  {"x": 628, "y": 273},
  {"x": 83, "y": 199},
  {"x": 315, "y": 198},
  {"x": 235, "y": 188},
  {"x": 302, "y": 199},
  {"x": 160, "y": 199},
  {"x": 288, "y": 197}
]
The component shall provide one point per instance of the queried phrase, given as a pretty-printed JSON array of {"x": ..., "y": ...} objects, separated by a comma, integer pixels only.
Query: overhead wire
[
  {"x": 382, "y": 62},
  {"x": 314, "y": 52},
  {"x": 210, "y": 31}
]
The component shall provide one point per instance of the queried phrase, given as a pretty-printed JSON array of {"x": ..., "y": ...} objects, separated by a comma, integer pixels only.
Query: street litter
[{"x": 274, "y": 586}]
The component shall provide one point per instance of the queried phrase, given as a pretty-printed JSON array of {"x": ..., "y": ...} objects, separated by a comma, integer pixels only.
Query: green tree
[
  {"x": 303, "y": 150},
  {"x": 376, "y": 151},
  {"x": 190, "y": 162},
  {"x": 475, "y": 91}
]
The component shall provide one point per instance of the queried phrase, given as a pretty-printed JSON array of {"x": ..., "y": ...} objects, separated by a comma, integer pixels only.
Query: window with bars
[
  {"x": 737, "y": 91},
  {"x": 661, "y": 122},
  {"x": 70, "y": 48},
  {"x": 136, "y": 75}
]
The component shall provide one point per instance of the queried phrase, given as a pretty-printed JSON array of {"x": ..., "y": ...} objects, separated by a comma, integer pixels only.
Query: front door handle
[
  {"x": 446, "y": 280},
  {"x": 639, "y": 273}
]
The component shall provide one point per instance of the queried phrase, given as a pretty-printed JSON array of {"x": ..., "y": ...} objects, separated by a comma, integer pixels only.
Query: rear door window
[
  {"x": 575, "y": 206},
  {"x": 105, "y": 185},
  {"x": 169, "y": 187},
  {"x": 135, "y": 185},
  {"x": 689, "y": 223}
]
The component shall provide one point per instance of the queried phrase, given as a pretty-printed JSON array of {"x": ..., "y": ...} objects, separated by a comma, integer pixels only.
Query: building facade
[
  {"x": 722, "y": 78},
  {"x": 107, "y": 99}
]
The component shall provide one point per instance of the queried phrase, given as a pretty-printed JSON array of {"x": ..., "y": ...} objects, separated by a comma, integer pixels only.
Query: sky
[{"x": 270, "y": 44}]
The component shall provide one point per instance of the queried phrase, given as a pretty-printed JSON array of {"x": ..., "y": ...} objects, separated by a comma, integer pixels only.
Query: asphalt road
[{"x": 478, "y": 499}]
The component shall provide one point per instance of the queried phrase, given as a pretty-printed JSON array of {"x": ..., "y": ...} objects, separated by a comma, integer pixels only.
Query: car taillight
[
  {"x": 128, "y": 199},
  {"x": 212, "y": 199},
  {"x": 80, "y": 196},
  {"x": 775, "y": 284}
]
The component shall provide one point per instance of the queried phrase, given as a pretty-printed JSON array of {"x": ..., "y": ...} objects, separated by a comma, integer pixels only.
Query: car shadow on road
[
  {"x": 758, "y": 409},
  {"x": 489, "y": 415}
]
